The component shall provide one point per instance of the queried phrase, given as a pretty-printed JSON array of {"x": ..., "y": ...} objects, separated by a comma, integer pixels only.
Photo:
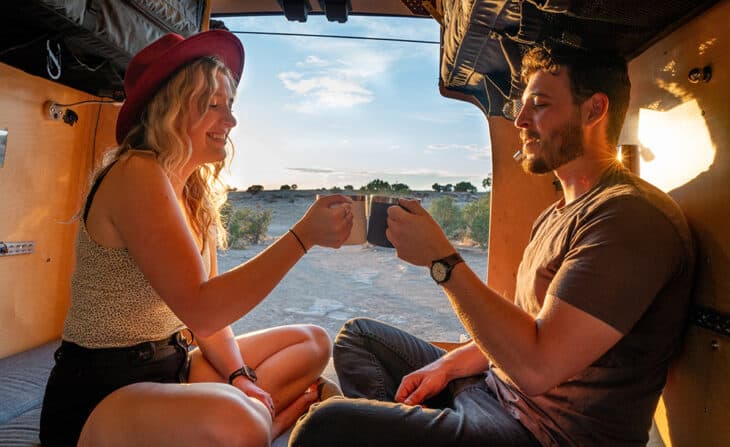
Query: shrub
[
  {"x": 378, "y": 185},
  {"x": 284, "y": 188},
  {"x": 247, "y": 226},
  {"x": 400, "y": 188},
  {"x": 253, "y": 189},
  {"x": 465, "y": 187},
  {"x": 449, "y": 216},
  {"x": 476, "y": 215}
]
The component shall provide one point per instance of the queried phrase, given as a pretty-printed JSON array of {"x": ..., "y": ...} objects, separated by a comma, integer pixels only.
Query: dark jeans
[
  {"x": 82, "y": 377},
  {"x": 371, "y": 358}
]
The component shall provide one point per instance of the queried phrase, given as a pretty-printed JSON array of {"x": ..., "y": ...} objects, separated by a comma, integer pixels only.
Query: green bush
[
  {"x": 255, "y": 189},
  {"x": 445, "y": 211},
  {"x": 246, "y": 226},
  {"x": 476, "y": 215}
]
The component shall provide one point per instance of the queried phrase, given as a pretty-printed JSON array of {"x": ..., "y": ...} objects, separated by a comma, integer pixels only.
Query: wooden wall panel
[
  {"x": 693, "y": 118},
  {"x": 40, "y": 186},
  {"x": 517, "y": 200}
]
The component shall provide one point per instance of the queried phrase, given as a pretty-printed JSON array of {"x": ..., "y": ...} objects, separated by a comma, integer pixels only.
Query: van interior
[{"x": 675, "y": 136}]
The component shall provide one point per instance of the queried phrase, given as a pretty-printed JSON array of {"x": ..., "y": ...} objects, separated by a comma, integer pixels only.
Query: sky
[{"x": 326, "y": 112}]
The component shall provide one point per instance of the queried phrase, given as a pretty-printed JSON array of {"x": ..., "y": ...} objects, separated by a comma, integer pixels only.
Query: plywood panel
[
  {"x": 40, "y": 186},
  {"x": 517, "y": 200},
  {"x": 693, "y": 119}
]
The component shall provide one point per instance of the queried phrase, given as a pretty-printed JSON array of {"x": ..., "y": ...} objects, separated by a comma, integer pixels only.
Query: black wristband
[
  {"x": 243, "y": 371},
  {"x": 298, "y": 240}
]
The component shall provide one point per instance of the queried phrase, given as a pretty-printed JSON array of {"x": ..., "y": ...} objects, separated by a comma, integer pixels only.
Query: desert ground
[{"x": 329, "y": 286}]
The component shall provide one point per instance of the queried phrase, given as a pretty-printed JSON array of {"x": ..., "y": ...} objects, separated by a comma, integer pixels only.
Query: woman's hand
[
  {"x": 327, "y": 222},
  {"x": 422, "y": 384},
  {"x": 417, "y": 238},
  {"x": 253, "y": 391}
]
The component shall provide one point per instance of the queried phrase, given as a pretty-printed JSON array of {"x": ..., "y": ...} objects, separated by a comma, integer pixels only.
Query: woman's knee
[
  {"x": 235, "y": 420},
  {"x": 320, "y": 341}
]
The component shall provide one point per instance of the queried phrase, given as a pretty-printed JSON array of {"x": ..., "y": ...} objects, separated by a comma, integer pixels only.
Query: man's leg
[
  {"x": 372, "y": 357},
  {"x": 476, "y": 419}
]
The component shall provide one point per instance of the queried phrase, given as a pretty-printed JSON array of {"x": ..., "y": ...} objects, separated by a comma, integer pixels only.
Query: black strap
[
  {"x": 710, "y": 319},
  {"x": 95, "y": 187}
]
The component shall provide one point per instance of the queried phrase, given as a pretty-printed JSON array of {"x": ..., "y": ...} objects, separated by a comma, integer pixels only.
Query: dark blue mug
[{"x": 378, "y": 220}]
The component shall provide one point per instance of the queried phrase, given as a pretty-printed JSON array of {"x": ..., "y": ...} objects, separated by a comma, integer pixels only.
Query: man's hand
[
  {"x": 422, "y": 384},
  {"x": 253, "y": 391},
  {"x": 417, "y": 238}
]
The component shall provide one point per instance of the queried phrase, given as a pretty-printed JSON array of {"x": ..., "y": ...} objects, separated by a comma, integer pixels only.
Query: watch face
[{"x": 438, "y": 271}]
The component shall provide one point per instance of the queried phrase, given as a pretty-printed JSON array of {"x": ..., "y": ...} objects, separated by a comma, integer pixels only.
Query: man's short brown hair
[{"x": 589, "y": 72}]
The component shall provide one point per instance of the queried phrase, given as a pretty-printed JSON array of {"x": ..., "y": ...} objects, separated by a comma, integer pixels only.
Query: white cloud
[
  {"x": 313, "y": 61},
  {"x": 345, "y": 78},
  {"x": 475, "y": 152},
  {"x": 312, "y": 170},
  {"x": 324, "y": 92}
]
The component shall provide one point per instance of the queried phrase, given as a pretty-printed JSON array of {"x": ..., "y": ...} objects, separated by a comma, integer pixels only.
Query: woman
[{"x": 146, "y": 270}]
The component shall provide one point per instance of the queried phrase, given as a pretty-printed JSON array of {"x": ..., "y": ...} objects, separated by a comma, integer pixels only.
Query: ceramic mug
[
  {"x": 358, "y": 234},
  {"x": 378, "y": 221}
]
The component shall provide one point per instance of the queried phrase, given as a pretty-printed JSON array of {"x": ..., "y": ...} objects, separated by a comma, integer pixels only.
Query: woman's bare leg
[
  {"x": 287, "y": 360},
  {"x": 153, "y": 414}
]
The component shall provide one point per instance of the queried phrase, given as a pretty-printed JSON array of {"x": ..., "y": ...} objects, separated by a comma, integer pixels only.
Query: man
[{"x": 581, "y": 356}]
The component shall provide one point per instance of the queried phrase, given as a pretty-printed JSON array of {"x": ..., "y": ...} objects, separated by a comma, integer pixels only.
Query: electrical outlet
[{"x": 53, "y": 111}]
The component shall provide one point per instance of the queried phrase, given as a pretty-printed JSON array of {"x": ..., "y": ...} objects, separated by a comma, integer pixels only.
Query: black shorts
[{"x": 82, "y": 377}]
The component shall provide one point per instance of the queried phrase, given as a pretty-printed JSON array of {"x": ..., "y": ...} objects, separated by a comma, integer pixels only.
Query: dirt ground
[{"x": 327, "y": 286}]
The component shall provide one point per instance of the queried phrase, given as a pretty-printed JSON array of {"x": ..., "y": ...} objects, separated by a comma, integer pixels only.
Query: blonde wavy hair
[{"x": 163, "y": 131}]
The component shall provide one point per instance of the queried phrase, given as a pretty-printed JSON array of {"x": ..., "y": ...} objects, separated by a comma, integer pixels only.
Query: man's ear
[{"x": 596, "y": 108}]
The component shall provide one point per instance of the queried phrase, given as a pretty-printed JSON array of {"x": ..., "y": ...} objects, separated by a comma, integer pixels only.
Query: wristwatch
[
  {"x": 441, "y": 268},
  {"x": 244, "y": 371}
]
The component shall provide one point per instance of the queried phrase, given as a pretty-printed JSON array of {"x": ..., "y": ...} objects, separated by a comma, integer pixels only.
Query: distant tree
[
  {"x": 349, "y": 188},
  {"x": 400, "y": 187},
  {"x": 294, "y": 186},
  {"x": 487, "y": 182},
  {"x": 285, "y": 188},
  {"x": 378, "y": 185},
  {"x": 336, "y": 189},
  {"x": 465, "y": 187},
  {"x": 448, "y": 187},
  {"x": 255, "y": 189},
  {"x": 448, "y": 215},
  {"x": 436, "y": 187},
  {"x": 247, "y": 226},
  {"x": 476, "y": 215}
]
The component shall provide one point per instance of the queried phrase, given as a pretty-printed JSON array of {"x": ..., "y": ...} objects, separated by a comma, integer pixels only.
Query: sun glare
[{"x": 676, "y": 145}]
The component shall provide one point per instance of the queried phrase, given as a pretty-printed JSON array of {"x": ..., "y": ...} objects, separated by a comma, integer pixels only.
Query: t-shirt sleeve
[{"x": 619, "y": 258}]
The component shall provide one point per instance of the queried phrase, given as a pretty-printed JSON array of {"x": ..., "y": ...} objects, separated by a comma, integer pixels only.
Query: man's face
[{"x": 550, "y": 123}]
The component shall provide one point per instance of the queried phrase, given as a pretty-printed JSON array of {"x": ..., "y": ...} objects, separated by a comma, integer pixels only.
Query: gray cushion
[
  {"x": 23, "y": 379},
  {"x": 21, "y": 431}
]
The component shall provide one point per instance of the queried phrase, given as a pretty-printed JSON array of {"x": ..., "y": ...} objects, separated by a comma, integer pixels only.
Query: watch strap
[
  {"x": 449, "y": 262},
  {"x": 452, "y": 259},
  {"x": 243, "y": 371}
]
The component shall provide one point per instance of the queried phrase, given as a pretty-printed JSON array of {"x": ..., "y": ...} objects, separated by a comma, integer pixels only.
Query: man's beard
[{"x": 560, "y": 147}]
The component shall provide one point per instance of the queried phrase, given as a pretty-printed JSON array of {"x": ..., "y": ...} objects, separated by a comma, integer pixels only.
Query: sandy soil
[{"x": 329, "y": 286}]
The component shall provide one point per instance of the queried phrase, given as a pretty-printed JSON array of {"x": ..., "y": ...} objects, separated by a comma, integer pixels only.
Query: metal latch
[{"x": 16, "y": 248}]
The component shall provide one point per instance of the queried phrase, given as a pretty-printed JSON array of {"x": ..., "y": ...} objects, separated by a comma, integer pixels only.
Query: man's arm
[
  {"x": 536, "y": 353},
  {"x": 428, "y": 381}
]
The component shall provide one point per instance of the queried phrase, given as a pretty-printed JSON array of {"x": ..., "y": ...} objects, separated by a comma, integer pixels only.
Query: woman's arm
[{"x": 149, "y": 220}]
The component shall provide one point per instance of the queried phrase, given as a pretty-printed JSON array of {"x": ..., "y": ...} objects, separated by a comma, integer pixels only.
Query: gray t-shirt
[{"x": 622, "y": 252}]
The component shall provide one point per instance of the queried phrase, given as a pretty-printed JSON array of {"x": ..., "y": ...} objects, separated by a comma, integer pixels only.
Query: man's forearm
[{"x": 464, "y": 361}]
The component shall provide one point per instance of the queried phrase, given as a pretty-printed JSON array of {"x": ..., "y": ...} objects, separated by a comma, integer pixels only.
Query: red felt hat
[{"x": 155, "y": 63}]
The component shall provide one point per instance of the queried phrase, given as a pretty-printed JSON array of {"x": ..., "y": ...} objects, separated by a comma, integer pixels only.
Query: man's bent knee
[{"x": 332, "y": 422}]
